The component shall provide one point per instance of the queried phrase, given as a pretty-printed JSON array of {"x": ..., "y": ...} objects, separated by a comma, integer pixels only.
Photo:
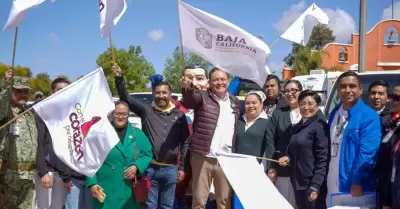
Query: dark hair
[
  {"x": 57, "y": 81},
  {"x": 164, "y": 83},
  {"x": 349, "y": 74},
  {"x": 193, "y": 66},
  {"x": 273, "y": 77},
  {"x": 309, "y": 93},
  {"x": 212, "y": 71},
  {"x": 119, "y": 102},
  {"x": 379, "y": 83},
  {"x": 296, "y": 82}
]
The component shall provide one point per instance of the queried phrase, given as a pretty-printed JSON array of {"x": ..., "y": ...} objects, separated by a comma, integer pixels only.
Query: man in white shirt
[
  {"x": 216, "y": 114},
  {"x": 355, "y": 137}
]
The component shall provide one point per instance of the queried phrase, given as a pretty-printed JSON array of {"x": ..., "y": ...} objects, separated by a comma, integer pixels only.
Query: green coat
[{"x": 110, "y": 176}]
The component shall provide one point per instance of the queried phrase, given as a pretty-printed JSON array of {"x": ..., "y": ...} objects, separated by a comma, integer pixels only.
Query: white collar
[
  {"x": 381, "y": 110},
  {"x": 261, "y": 115},
  {"x": 226, "y": 97}
]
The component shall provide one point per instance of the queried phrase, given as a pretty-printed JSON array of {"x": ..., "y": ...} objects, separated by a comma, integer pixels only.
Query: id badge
[
  {"x": 334, "y": 149},
  {"x": 387, "y": 136},
  {"x": 393, "y": 178},
  {"x": 14, "y": 129}
]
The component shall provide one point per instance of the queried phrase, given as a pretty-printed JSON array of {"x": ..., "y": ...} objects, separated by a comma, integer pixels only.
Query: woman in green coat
[{"x": 119, "y": 168}]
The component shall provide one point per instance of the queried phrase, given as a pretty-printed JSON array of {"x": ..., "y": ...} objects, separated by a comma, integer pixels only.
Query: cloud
[
  {"x": 156, "y": 34},
  {"x": 288, "y": 17},
  {"x": 53, "y": 37},
  {"x": 340, "y": 22},
  {"x": 387, "y": 13}
]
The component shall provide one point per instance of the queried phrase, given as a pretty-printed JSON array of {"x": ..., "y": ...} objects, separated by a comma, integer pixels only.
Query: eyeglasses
[
  {"x": 291, "y": 91},
  {"x": 307, "y": 104},
  {"x": 120, "y": 115}
]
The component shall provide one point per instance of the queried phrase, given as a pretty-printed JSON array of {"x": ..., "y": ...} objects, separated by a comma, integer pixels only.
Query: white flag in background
[
  {"x": 300, "y": 31},
  {"x": 18, "y": 12},
  {"x": 110, "y": 13},
  {"x": 76, "y": 118},
  {"x": 224, "y": 44}
]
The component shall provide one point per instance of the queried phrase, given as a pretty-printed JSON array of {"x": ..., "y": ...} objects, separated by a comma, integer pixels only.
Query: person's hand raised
[
  {"x": 117, "y": 72},
  {"x": 8, "y": 76},
  {"x": 186, "y": 83}
]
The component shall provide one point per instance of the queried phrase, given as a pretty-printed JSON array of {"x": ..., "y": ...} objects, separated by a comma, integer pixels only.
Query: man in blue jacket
[{"x": 355, "y": 131}]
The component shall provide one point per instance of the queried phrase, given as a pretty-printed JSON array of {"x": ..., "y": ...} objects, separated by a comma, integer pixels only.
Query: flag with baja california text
[
  {"x": 223, "y": 44},
  {"x": 76, "y": 118}
]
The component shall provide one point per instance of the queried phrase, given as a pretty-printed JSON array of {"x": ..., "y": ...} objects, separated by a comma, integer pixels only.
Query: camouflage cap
[{"x": 21, "y": 82}]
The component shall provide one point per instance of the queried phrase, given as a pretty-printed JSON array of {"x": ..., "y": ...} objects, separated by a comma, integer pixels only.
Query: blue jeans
[
  {"x": 80, "y": 197},
  {"x": 163, "y": 184}
]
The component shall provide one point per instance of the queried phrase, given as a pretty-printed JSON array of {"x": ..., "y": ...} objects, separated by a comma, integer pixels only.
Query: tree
[
  {"x": 18, "y": 70},
  {"x": 174, "y": 66},
  {"x": 41, "y": 82},
  {"x": 135, "y": 68},
  {"x": 302, "y": 57},
  {"x": 306, "y": 60}
]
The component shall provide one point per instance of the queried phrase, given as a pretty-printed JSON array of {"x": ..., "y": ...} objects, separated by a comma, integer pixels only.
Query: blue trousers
[{"x": 163, "y": 183}]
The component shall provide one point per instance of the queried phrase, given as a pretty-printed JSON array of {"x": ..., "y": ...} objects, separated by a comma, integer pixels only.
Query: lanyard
[{"x": 340, "y": 127}]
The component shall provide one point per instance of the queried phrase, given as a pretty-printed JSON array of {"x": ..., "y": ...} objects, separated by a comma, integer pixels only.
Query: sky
[{"x": 62, "y": 37}]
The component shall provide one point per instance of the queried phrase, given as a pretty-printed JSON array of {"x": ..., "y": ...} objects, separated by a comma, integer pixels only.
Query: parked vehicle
[{"x": 391, "y": 77}]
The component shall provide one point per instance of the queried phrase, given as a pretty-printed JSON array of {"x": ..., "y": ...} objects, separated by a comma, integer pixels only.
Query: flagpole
[
  {"x": 112, "y": 49},
  {"x": 15, "y": 47},
  {"x": 273, "y": 43},
  {"x": 180, "y": 33}
]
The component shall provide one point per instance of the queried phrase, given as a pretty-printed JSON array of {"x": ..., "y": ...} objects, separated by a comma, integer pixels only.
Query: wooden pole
[
  {"x": 273, "y": 43},
  {"x": 268, "y": 159},
  {"x": 16, "y": 117},
  {"x": 15, "y": 47},
  {"x": 112, "y": 49},
  {"x": 180, "y": 33}
]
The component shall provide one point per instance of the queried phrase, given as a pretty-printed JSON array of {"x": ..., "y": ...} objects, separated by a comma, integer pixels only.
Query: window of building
[
  {"x": 392, "y": 36},
  {"x": 343, "y": 55}
]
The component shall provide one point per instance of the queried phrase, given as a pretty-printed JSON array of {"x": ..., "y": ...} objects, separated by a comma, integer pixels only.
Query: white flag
[
  {"x": 18, "y": 12},
  {"x": 76, "y": 118},
  {"x": 224, "y": 44},
  {"x": 300, "y": 31},
  {"x": 110, "y": 13},
  {"x": 253, "y": 191}
]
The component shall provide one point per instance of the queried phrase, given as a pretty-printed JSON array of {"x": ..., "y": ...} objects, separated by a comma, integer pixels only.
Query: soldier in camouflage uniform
[{"x": 18, "y": 145}]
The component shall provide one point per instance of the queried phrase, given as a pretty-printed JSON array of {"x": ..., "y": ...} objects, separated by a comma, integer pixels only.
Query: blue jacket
[{"x": 360, "y": 144}]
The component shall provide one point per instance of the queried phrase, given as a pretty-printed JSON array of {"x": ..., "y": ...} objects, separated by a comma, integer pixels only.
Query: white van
[
  {"x": 316, "y": 81},
  {"x": 391, "y": 77}
]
